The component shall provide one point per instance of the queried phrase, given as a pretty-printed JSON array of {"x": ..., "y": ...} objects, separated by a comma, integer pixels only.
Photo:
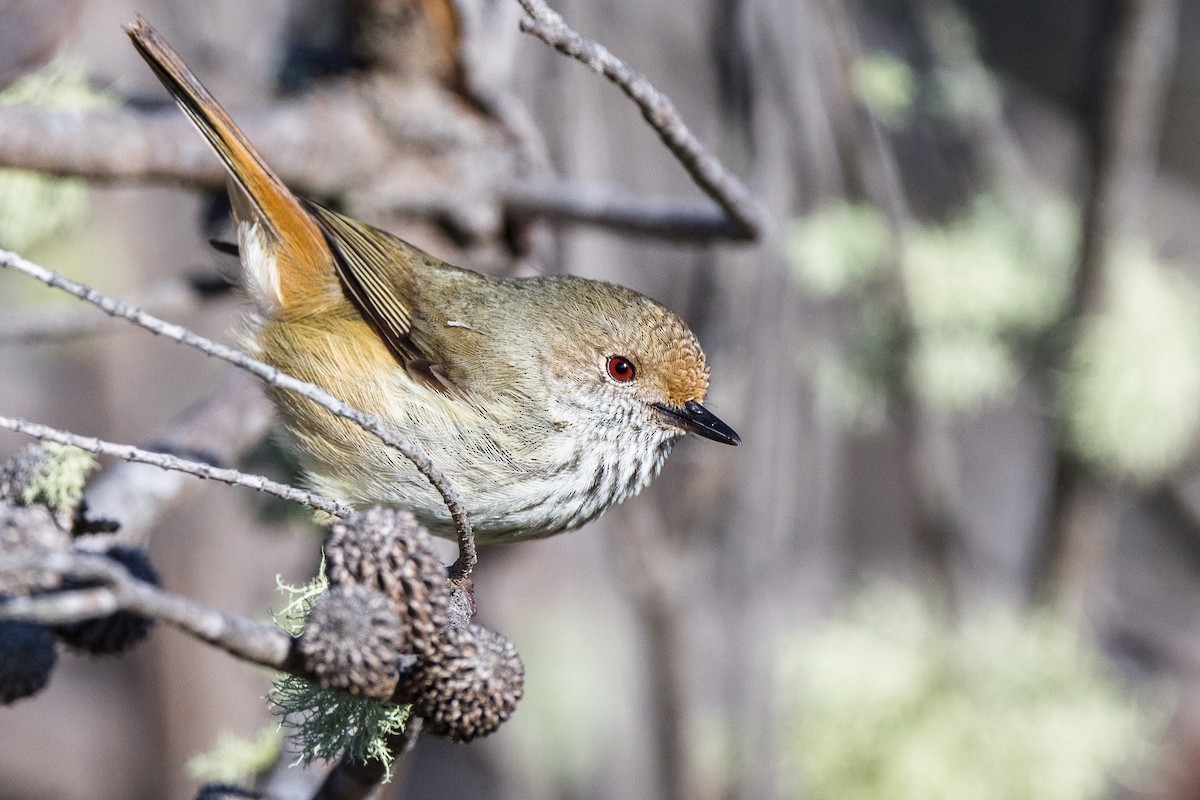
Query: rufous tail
[{"x": 300, "y": 252}]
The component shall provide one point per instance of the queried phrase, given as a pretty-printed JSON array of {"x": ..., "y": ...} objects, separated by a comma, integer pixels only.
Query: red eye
[{"x": 621, "y": 369}]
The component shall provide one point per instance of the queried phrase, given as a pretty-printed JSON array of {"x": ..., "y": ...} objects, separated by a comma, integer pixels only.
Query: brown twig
[
  {"x": 127, "y": 452},
  {"x": 706, "y": 170},
  {"x": 139, "y": 145},
  {"x": 273, "y": 377}
]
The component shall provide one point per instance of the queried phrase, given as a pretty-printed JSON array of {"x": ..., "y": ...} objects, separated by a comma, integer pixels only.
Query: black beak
[{"x": 699, "y": 420}]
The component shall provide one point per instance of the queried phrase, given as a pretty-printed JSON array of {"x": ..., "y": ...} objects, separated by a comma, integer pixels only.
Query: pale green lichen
[
  {"x": 893, "y": 701},
  {"x": 885, "y": 85},
  {"x": 958, "y": 371},
  {"x": 60, "y": 478},
  {"x": 328, "y": 724},
  {"x": 1131, "y": 398},
  {"x": 964, "y": 91},
  {"x": 837, "y": 248},
  {"x": 34, "y": 207},
  {"x": 978, "y": 289},
  {"x": 325, "y": 723},
  {"x": 234, "y": 759},
  {"x": 992, "y": 269}
]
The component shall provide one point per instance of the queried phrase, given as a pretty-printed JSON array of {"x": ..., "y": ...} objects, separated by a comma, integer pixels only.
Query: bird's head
[{"x": 620, "y": 359}]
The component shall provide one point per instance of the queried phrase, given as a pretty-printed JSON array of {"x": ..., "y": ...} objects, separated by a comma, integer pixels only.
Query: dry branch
[
  {"x": 257, "y": 642},
  {"x": 1123, "y": 160}
]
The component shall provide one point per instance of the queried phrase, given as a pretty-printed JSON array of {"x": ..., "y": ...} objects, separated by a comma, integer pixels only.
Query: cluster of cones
[{"x": 383, "y": 631}]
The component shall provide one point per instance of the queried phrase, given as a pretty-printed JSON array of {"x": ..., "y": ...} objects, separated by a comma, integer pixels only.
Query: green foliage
[
  {"x": 60, "y": 478},
  {"x": 894, "y": 702},
  {"x": 886, "y": 86},
  {"x": 34, "y": 207},
  {"x": 328, "y": 723},
  {"x": 838, "y": 248},
  {"x": 234, "y": 759},
  {"x": 1132, "y": 395}
]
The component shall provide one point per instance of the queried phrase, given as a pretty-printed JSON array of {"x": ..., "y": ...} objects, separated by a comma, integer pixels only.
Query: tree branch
[
  {"x": 257, "y": 642},
  {"x": 127, "y": 452},
  {"x": 273, "y": 377},
  {"x": 127, "y": 145},
  {"x": 706, "y": 170}
]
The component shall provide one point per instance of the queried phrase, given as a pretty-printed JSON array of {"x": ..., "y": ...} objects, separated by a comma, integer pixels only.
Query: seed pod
[
  {"x": 27, "y": 658},
  {"x": 119, "y": 631},
  {"x": 469, "y": 685},
  {"x": 385, "y": 549},
  {"x": 352, "y": 641}
]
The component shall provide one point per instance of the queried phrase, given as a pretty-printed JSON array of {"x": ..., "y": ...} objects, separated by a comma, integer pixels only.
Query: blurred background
[{"x": 957, "y": 554}]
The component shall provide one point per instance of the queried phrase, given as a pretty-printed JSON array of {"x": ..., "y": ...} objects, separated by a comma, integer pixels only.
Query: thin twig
[
  {"x": 127, "y": 452},
  {"x": 273, "y": 377},
  {"x": 706, "y": 170}
]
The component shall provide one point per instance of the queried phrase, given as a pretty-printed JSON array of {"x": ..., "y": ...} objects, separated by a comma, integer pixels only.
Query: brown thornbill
[{"x": 544, "y": 400}]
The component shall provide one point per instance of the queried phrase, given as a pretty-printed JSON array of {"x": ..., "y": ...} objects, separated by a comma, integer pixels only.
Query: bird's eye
[{"x": 621, "y": 369}]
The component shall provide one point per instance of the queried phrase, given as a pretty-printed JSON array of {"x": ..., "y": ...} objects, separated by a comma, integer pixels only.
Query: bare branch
[
  {"x": 706, "y": 170},
  {"x": 1123, "y": 157},
  {"x": 127, "y": 452},
  {"x": 257, "y": 642},
  {"x": 274, "y": 377}
]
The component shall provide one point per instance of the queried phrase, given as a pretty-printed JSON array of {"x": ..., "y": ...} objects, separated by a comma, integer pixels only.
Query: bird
[{"x": 544, "y": 400}]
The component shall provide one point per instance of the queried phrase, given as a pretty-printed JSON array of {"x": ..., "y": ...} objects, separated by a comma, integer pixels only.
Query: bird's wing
[{"x": 378, "y": 274}]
